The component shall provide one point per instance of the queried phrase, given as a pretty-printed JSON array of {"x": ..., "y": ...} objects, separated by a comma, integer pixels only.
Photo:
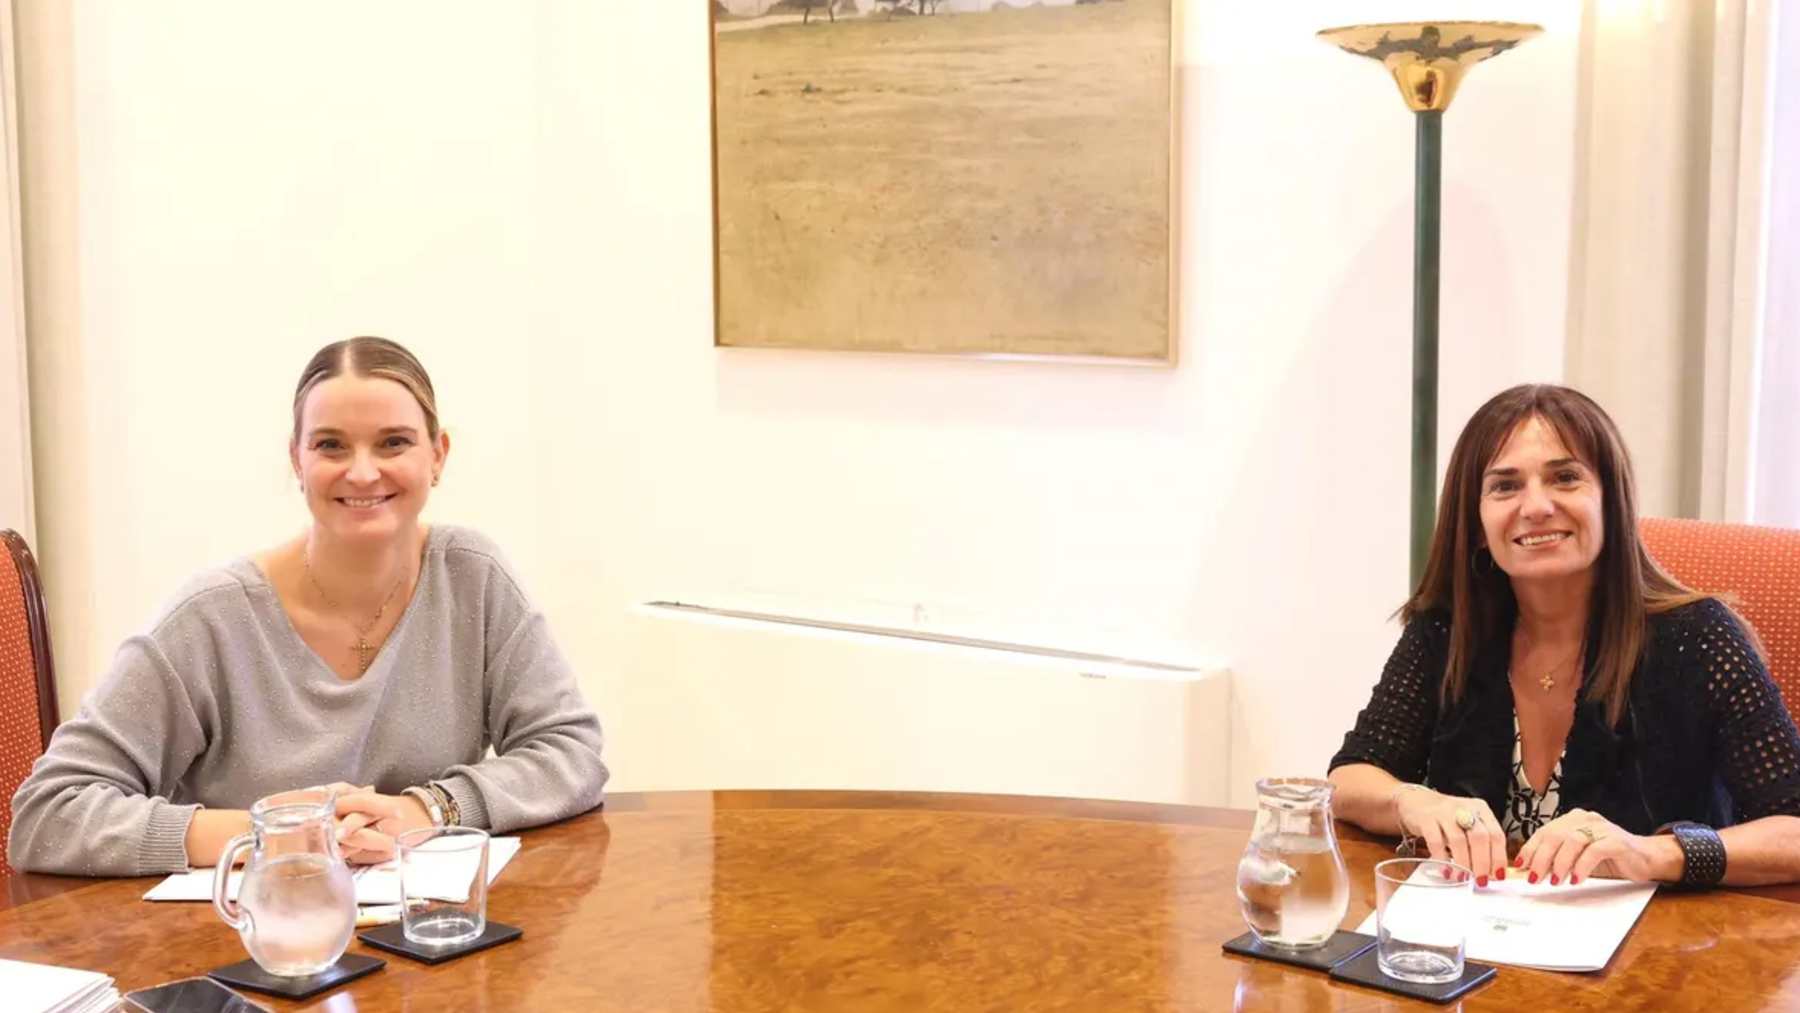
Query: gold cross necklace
[{"x": 365, "y": 651}]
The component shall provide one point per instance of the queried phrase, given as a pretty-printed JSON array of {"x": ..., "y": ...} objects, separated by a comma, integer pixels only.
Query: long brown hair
[
  {"x": 1628, "y": 583},
  {"x": 368, "y": 356}
]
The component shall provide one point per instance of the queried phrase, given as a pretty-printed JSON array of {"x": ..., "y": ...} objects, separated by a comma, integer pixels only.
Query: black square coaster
[
  {"x": 1363, "y": 970},
  {"x": 392, "y": 938},
  {"x": 245, "y": 974},
  {"x": 1339, "y": 948}
]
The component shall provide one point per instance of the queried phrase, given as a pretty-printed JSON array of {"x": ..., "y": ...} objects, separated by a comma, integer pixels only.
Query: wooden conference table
[{"x": 857, "y": 901}]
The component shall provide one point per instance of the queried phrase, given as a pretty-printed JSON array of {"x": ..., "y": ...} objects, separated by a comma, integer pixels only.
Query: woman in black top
[{"x": 1555, "y": 689}]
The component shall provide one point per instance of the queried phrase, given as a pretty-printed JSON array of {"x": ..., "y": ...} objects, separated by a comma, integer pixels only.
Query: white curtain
[
  {"x": 1683, "y": 303},
  {"x": 1775, "y": 460},
  {"x": 15, "y": 407}
]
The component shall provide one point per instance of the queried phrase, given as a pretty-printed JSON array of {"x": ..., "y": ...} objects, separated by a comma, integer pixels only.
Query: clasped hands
[
  {"x": 1568, "y": 849},
  {"x": 368, "y": 822}
]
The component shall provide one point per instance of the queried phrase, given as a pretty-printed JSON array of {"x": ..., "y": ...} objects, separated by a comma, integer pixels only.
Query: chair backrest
[
  {"x": 27, "y": 680},
  {"x": 1757, "y": 568}
]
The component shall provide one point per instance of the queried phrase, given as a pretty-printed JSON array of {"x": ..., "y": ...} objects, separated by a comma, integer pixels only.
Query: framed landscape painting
[{"x": 986, "y": 177}]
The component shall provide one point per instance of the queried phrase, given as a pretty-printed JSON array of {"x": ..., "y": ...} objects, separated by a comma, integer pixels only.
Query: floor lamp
[{"x": 1428, "y": 60}]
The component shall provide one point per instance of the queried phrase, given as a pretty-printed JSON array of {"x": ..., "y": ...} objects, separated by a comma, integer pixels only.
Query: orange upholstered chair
[
  {"x": 1756, "y": 568},
  {"x": 27, "y": 682}
]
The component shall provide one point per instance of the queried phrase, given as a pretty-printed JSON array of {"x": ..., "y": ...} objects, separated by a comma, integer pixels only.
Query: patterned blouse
[{"x": 1526, "y": 810}]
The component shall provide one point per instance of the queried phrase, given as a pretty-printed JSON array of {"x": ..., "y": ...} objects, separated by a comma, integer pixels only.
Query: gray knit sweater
[{"x": 221, "y": 703}]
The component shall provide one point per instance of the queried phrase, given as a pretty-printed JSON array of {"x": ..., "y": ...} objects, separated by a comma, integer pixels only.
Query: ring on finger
[
  {"x": 1465, "y": 819},
  {"x": 1588, "y": 832}
]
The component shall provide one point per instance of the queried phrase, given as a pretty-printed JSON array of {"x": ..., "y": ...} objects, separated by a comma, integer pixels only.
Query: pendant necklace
[
  {"x": 365, "y": 651},
  {"x": 1548, "y": 679}
]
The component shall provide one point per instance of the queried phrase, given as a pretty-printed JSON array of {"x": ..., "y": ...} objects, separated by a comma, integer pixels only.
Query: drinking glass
[
  {"x": 443, "y": 884},
  {"x": 1422, "y": 908},
  {"x": 1292, "y": 886}
]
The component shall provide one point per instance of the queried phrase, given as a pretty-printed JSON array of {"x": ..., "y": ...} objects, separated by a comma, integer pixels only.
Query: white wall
[{"x": 521, "y": 193}]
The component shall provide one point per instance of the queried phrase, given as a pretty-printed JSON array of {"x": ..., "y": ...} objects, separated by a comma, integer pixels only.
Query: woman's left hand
[
  {"x": 1579, "y": 844},
  {"x": 368, "y": 823}
]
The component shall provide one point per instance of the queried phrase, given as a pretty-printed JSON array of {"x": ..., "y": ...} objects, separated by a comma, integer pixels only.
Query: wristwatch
[{"x": 1702, "y": 851}]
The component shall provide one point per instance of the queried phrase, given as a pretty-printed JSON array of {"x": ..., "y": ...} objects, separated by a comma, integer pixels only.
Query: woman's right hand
[
  {"x": 358, "y": 840},
  {"x": 1439, "y": 819}
]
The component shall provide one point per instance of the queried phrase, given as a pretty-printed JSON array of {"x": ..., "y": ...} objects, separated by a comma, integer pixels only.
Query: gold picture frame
[{"x": 982, "y": 177}]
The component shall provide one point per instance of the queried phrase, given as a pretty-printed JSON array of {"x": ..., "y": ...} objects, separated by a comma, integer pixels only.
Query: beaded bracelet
[{"x": 452, "y": 812}]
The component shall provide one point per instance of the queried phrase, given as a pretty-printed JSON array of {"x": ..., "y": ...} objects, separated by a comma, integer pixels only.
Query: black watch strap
[{"x": 1703, "y": 851}]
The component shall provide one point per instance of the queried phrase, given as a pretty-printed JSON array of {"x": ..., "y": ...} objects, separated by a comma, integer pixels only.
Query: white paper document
[
  {"x": 1554, "y": 928},
  {"x": 46, "y": 988},
  {"x": 375, "y": 884}
]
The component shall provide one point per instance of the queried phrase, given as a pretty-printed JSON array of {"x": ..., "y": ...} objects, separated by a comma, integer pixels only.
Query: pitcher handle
[{"x": 226, "y": 907}]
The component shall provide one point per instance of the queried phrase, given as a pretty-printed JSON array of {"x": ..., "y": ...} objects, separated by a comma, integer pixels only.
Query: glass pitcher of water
[
  {"x": 296, "y": 905},
  {"x": 1291, "y": 883}
]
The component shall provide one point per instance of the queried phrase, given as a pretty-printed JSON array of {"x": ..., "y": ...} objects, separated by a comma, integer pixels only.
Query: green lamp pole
[{"x": 1428, "y": 60}]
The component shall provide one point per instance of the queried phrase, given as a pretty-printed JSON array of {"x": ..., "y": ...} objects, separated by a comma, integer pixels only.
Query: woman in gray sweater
[{"x": 370, "y": 651}]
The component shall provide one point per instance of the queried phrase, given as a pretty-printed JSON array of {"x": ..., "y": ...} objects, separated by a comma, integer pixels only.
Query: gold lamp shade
[{"x": 1429, "y": 58}]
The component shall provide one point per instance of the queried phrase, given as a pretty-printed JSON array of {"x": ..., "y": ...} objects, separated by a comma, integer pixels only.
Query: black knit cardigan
[{"x": 1705, "y": 735}]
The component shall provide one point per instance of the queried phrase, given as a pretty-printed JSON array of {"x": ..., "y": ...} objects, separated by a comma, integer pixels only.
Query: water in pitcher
[
  {"x": 303, "y": 907},
  {"x": 1293, "y": 889}
]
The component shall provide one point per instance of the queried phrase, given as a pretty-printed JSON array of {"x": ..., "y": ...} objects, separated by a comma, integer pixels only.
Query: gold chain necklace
[
  {"x": 1548, "y": 679},
  {"x": 365, "y": 651}
]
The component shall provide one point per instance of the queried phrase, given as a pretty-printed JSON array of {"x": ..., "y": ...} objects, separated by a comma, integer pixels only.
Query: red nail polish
[
  {"x": 1533, "y": 877},
  {"x": 1480, "y": 880},
  {"x": 1519, "y": 861},
  {"x": 1500, "y": 873},
  {"x": 1573, "y": 879},
  {"x": 1555, "y": 880}
]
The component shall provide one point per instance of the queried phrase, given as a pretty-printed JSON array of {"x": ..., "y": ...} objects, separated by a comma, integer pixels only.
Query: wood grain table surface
[{"x": 806, "y": 900}]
